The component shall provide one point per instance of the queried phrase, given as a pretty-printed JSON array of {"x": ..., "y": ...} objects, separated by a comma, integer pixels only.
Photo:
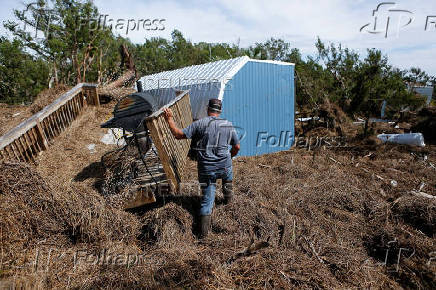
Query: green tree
[
  {"x": 22, "y": 75},
  {"x": 63, "y": 33},
  {"x": 417, "y": 77},
  {"x": 272, "y": 49}
]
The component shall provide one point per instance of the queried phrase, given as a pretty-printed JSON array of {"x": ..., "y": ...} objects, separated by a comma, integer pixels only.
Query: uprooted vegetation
[
  {"x": 337, "y": 217},
  {"x": 299, "y": 219}
]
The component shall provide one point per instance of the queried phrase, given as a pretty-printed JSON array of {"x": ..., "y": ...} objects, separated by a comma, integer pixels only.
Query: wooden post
[
  {"x": 34, "y": 139},
  {"x": 11, "y": 150},
  {"x": 91, "y": 95},
  {"x": 96, "y": 98},
  {"x": 41, "y": 136}
]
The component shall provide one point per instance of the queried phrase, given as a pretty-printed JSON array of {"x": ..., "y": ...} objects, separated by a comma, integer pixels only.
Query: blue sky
[{"x": 298, "y": 22}]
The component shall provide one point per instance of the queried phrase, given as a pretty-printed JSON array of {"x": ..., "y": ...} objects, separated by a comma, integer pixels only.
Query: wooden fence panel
[
  {"x": 172, "y": 153},
  {"x": 32, "y": 136}
]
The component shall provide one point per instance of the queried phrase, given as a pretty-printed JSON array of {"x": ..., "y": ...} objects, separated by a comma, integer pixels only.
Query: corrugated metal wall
[{"x": 259, "y": 101}]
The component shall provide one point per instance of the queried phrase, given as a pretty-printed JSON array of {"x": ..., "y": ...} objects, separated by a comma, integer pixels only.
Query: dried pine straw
[
  {"x": 121, "y": 168},
  {"x": 300, "y": 219},
  {"x": 296, "y": 221}
]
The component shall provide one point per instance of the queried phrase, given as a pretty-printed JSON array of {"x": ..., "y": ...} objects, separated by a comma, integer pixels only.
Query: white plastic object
[{"x": 416, "y": 139}]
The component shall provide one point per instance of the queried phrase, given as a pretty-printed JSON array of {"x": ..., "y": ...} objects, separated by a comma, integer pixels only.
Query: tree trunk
[
  {"x": 99, "y": 66},
  {"x": 55, "y": 72}
]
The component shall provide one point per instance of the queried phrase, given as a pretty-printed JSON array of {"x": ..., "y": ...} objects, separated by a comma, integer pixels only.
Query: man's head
[{"x": 214, "y": 107}]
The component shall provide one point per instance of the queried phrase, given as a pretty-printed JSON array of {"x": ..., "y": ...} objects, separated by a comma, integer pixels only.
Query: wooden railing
[{"x": 33, "y": 135}]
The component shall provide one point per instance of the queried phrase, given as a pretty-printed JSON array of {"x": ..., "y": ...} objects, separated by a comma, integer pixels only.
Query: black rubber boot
[
  {"x": 228, "y": 192},
  {"x": 204, "y": 226}
]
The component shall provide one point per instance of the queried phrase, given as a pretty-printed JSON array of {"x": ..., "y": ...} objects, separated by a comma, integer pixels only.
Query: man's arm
[
  {"x": 235, "y": 149},
  {"x": 178, "y": 134}
]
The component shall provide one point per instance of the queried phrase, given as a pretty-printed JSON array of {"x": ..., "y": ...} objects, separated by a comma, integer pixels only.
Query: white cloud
[{"x": 298, "y": 22}]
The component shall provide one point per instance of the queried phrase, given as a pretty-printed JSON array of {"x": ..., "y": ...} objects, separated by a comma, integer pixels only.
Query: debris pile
[
  {"x": 356, "y": 216},
  {"x": 426, "y": 124},
  {"x": 121, "y": 169}
]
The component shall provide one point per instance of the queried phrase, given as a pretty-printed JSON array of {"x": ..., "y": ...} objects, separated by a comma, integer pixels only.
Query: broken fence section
[
  {"x": 172, "y": 153},
  {"x": 32, "y": 136}
]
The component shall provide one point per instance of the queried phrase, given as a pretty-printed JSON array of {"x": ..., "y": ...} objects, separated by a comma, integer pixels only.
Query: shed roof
[{"x": 213, "y": 72}]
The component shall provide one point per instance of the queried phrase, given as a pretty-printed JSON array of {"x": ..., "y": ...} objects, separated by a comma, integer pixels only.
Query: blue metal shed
[{"x": 258, "y": 98}]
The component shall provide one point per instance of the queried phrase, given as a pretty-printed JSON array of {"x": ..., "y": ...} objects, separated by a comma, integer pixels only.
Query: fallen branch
[
  {"x": 313, "y": 251},
  {"x": 422, "y": 194},
  {"x": 251, "y": 249},
  {"x": 335, "y": 161},
  {"x": 127, "y": 77}
]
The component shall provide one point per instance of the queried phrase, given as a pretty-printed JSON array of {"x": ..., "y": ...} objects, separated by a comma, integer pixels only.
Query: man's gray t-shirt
[{"x": 212, "y": 136}]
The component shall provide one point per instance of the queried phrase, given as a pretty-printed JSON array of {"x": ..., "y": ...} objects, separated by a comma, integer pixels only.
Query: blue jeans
[{"x": 208, "y": 187}]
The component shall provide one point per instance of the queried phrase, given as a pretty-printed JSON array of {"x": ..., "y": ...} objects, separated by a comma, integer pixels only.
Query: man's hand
[
  {"x": 178, "y": 134},
  {"x": 168, "y": 113},
  {"x": 235, "y": 149}
]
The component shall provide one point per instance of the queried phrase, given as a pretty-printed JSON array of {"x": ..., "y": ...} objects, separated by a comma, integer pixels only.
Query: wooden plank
[
  {"x": 73, "y": 108},
  {"x": 70, "y": 110},
  {"x": 64, "y": 117},
  {"x": 11, "y": 152},
  {"x": 55, "y": 124},
  {"x": 41, "y": 137},
  {"x": 32, "y": 138},
  {"x": 51, "y": 127},
  {"x": 77, "y": 104},
  {"x": 67, "y": 113},
  {"x": 142, "y": 197},
  {"x": 64, "y": 110},
  {"x": 87, "y": 97},
  {"x": 45, "y": 128},
  {"x": 60, "y": 120},
  {"x": 19, "y": 150},
  {"x": 96, "y": 99},
  {"x": 83, "y": 101},
  {"x": 6, "y": 153},
  {"x": 30, "y": 147},
  {"x": 172, "y": 152},
  {"x": 35, "y": 139},
  {"x": 25, "y": 148}
]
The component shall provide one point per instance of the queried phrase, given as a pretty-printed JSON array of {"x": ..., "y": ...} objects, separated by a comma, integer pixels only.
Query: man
[{"x": 212, "y": 136}]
